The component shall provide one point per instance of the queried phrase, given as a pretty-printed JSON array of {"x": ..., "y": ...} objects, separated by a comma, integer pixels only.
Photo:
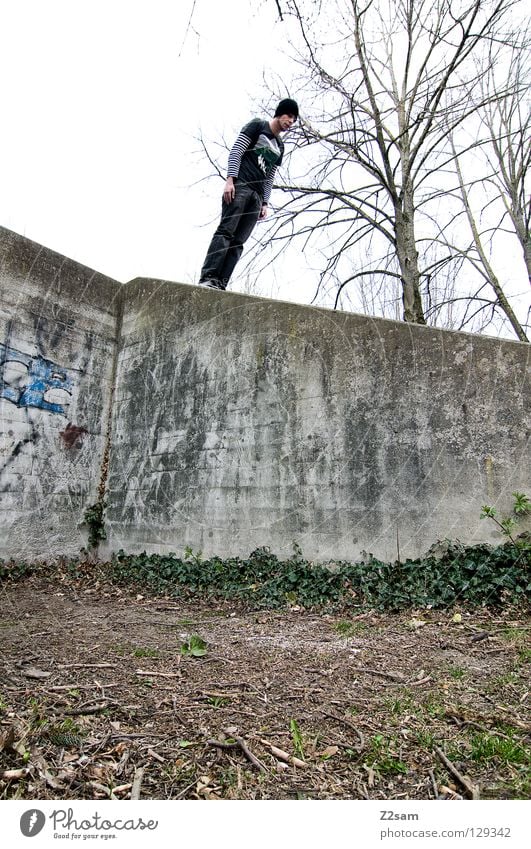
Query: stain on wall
[{"x": 72, "y": 435}]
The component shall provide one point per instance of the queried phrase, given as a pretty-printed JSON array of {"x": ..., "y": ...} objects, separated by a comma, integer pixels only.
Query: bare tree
[
  {"x": 496, "y": 203},
  {"x": 491, "y": 157},
  {"x": 384, "y": 83},
  {"x": 508, "y": 122}
]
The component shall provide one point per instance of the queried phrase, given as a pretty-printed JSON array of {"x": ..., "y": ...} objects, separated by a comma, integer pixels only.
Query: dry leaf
[
  {"x": 97, "y": 772},
  {"x": 7, "y": 739},
  {"x": 329, "y": 752},
  {"x": 67, "y": 775},
  {"x": 32, "y": 672},
  {"x": 203, "y": 784}
]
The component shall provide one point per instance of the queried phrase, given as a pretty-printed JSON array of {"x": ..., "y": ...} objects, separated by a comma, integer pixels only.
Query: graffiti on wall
[{"x": 28, "y": 380}]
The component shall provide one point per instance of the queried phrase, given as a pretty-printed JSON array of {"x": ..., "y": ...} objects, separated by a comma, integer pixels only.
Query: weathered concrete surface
[
  {"x": 57, "y": 339},
  {"x": 241, "y": 422}
]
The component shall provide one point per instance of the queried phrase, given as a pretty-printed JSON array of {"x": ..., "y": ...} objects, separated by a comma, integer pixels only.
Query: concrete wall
[
  {"x": 57, "y": 340},
  {"x": 241, "y": 422}
]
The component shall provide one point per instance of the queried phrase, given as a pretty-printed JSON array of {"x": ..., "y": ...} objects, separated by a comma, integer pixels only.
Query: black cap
[{"x": 287, "y": 107}]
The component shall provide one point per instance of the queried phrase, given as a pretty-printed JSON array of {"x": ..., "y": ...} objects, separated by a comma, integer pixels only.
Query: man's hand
[
  {"x": 263, "y": 212},
  {"x": 229, "y": 191}
]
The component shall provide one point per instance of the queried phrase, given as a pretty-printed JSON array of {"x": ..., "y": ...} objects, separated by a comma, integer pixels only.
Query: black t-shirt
[{"x": 262, "y": 157}]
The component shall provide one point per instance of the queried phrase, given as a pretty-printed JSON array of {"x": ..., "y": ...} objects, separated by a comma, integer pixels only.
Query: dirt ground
[{"x": 99, "y": 699}]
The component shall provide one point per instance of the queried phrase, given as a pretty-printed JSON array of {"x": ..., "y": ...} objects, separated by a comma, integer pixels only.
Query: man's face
[{"x": 286, "y": 121}]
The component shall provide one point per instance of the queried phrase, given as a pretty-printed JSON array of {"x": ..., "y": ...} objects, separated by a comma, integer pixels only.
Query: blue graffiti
[{"x": 42, "y": 375}]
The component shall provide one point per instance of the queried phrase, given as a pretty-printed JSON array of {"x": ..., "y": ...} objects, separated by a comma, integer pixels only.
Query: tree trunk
[
  {"x": 408, "y": 258},
  {"x": 523, "y": 236}
]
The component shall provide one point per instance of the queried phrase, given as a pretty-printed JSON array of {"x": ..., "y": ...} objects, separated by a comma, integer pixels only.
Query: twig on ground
[
  {"x": 391, "y": 676},
  {"x": 185, "y": 791},
  {"x": 433, "y": 783},
  {"x": 216, "y": 694},
  {"x": 349, "y": 725},
  {"x": 470, "y": 788},
  {"x": 419, "y": 681},
  {"x": 239, "y": 743},
  {"x": 159, "y": 674},
  {"x": 281, "y": 755},
  {"x": 370, "y": 775},
  {"x": 87, "y": 711},
  {"x": 101, "y": 788},
  {"x": 60, "y": 687},
  {"x": 42, "y": 767},
  {"x": 121, "y": 788},
  {"x": 14, "y": 774},
  {"x": 137, "y": 783},
  {"x": 249, "y": 755},
  {"x": 446, "y": 791}
]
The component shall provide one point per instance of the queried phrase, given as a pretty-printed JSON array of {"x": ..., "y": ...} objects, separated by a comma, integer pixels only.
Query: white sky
[{"x": 102, "y": 104}]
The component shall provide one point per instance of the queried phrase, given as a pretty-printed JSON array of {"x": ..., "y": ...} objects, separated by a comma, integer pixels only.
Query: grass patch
[
  {"x": 402, "y": 704},
  {"x": 433, "y": 706},
  {"x": 500, "y": 681},
  {"x": 491, "y": 747},
  {"x": 121, "y": 651},
  {"x": 517, "y": 636},
  {"x": 456, "y": 672},
  {"x": 382, "y": 755},
  {"x": 139, "y": 651},
  {"x": 350, "y": 629},
  {"x": 218, "y": 701},
  {"x": 297, "y": 738}
]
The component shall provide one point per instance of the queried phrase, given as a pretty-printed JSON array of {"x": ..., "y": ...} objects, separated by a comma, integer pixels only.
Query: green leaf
[
  {"x": 194, "y": 646},
  {"x": 522, "y": 504}
]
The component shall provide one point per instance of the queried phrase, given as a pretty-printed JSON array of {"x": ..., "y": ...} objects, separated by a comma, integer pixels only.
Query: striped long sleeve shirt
[{"x": 255, "y": 157}]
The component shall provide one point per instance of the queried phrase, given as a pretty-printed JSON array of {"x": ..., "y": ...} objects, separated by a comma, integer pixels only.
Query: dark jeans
[{"x": 237, "y": 223}]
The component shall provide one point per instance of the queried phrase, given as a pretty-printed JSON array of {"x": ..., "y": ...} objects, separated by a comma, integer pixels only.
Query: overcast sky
[{"x": 102, "y": 105}]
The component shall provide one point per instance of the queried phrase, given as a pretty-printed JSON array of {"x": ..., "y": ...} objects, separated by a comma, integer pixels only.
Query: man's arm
[
  {"x": 242, "y": 143},
  {"x": 268, "y": 186}
]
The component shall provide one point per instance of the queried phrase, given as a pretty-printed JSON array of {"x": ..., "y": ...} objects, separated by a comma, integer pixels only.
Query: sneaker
[{"x": 212, "y": 284}]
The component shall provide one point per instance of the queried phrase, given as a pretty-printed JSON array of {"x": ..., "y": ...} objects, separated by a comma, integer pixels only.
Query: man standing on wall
[{"x": 253, "y": 162}]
